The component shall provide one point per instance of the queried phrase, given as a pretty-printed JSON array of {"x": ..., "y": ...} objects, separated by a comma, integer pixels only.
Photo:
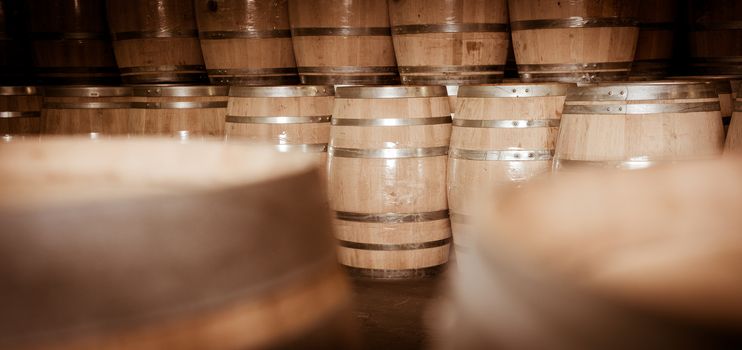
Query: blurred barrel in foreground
[
  {"x": 637, "y": 125},
  {"x": 246, "y": 42},
  {"x": 503, "y": 135},
  {"x": 293, "y": 118},
  {"x": 342, "y": 42},
  {"x": 89, "y": 110},
  {"x": 71, "y": 42},
  {"x": 387, "y": 179},
  {"x": 734, "y": 134},
  {"x": 656, "y": 35},
  {"x": 574, "y": 41},
  {"x": 607, "y": 260},
  {"x": 179, "y": 111},
  {"x": 156, "y": 41},
  {"x": 715, "y": 38},
  {"x": 446, "y": 42},
  {"x": 160, "y": 245},
  {"x": 20, "y": 110}
]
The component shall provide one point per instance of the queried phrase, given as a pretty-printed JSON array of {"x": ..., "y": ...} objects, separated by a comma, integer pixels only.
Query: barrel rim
[
  {"x": 515, "y": 90},
  {"x": 642, "y": 90},
  {"x": 19, "y": 90},
  {"x": 282, "y": 91},
  {"x": 722, "y": 82},
  {"x": 87, "y": 91},
  {"x": 390, "y": 91},
  {"x": 180, "y": 90}
]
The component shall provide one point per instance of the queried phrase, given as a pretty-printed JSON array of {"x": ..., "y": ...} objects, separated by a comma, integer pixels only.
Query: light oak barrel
[
  {"x": 339, "y": 42},
  {"x": 153, "y": 244},
  {"x": 292, "y": 118},
  {"x": 635, "y": 125},
  {"x": 574, "y": 41},
  {"x": 715, "y": 37},
  {"x": 156, "y": 41},
  {"x": 654, "y": 48},
  {"x": 20, "y": 111},
  {"x": 723, "y": 85},
  {"x": 246, "y": 42},
  {"x": 71, "y": 43},
  {"x": 734, "y": 135},
  {"x": 607, "y": 260},
  {"x": 90, "y": 110},
  {"x": 179, "y": 111},
  {"x": 503, "y": 136},
  {"x": 387, "y": 180},
  {"x": 450, "y": 42}
]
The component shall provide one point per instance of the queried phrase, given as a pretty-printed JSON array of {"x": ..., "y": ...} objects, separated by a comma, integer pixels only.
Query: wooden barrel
[
  {"x": 246, "y": 42},
  {"x": 723, "y": 85},
  {"x": 20, "y": 111},
  {"x": 87, "y": 110},
  {"x": 387, "y": 179},
  {"x": 636, "y": 125},
  {"x": 607, "y": 260},
  {"x": 293, "y": 118},
  {"x": 715, "y": 38},
  {"x": 71, "y": 43},
  {"x": 342, "y": 42},
  {"x": 450, "y": 42},
  {"x": 179, "y": 111},
  {"x": 160, "y": 245},
  {"x": 654, "y": 48},
  {"x": 503, "y": 135},
  {"x": 156, "y": 41},
  {"x": 734, "y": 134},
  {"x": 15, "y": 59},
  {"x": 574, "y": 41}
]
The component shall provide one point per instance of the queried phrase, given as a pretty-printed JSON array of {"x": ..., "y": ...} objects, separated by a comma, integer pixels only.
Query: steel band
[
  {"x": 164, "y": 78},
  {"x": 451, "y": 69},
  {"x": 338, "y": 79},
  {"x": 181, "y": 91},
  {"x": 449, "y": 28},
  {"x": 458, "y": 218},
  {"x": 506, "y": 155},
  {"x": 449, "y": 79},
  {"x": 164, "y": 68},
  {"x": 657, "y": 26},
  {"x": 573, "y": 22},
  {"x": 278, "y": 119},
  {"x": 88, "y": 105},
  {"x": 711, "y": 60},
  {"x": 722, "y": 83},
  {"x": 392, "y": 217},
  {"x": 257, "y": 71},
  {"x": 67, "y": 70},
  {"x": 720, "y": 25},
  {"x": 641, "y": 163},
  {"x": 155, "y": 35},
  {"x": 375, "y": 92},
  {"x": 255, "y": 80},
  {"x": 69, "y": 36},
  {"x": 18, "y": 91},
  {"x": 517, "y": 90},
  {"x": 179, "y": 105},
  {"x": 639, "y": 91},
  {"x": 391, "y": 121},
  {"x": 247, "y": 34},
  {"x": 342, "y": 31},
  {"x": 642, "y": 108},
  {"x": 388, "y": 153},
  {"x": 90, "y": 91},
  {"x": 348, "y": 69},
  {"x": 393, "y": 247},
  {"x": 282, "y": 91},
  {"x": 424, "y": 272},
  {"x": 537, "y": 68},
  {"x": 14, "y": 114},
  {"x": 573, "y": 77},
  {"x": 305, "y": 148},
  {"x": 507, "y": 123}
]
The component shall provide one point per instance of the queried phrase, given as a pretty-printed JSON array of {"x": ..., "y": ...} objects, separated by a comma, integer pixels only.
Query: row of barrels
[
  {"x": 443, "y": 42},
  {"x": 399, "y": 166}
]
